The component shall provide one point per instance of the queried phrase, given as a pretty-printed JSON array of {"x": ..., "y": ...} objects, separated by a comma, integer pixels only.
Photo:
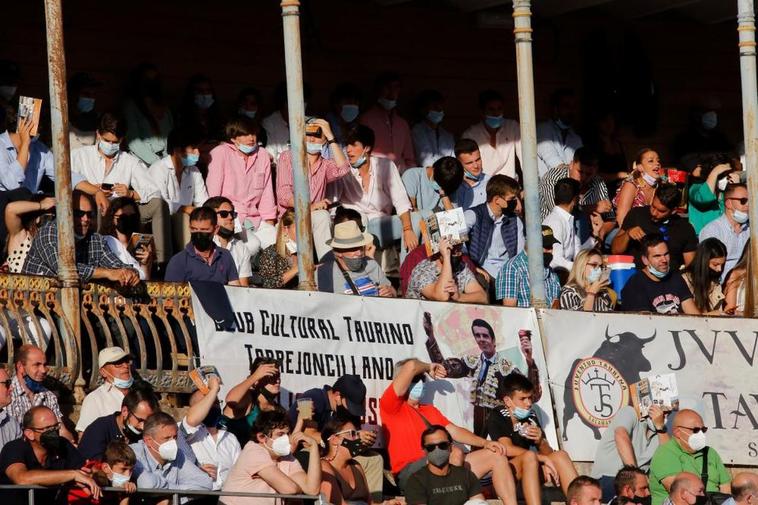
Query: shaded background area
[{"x": 649, "y": 60}]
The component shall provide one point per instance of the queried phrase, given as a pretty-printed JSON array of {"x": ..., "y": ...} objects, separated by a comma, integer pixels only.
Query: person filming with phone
[
  {"x": 119, "y": 228},
  {"x": 587, "y": 287}
]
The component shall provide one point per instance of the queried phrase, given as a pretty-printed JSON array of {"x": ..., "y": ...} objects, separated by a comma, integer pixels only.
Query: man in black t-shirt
[
  {"x": 43, "y": 457},
  {"x": 439, "y": 482},
  {"x": 656, "y": 288},
  {"x": 517, "y": 427},
  {"x": 658, "y": 218}
]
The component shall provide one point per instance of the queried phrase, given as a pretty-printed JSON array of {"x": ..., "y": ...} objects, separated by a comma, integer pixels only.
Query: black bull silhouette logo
[{"x": 623, "y": 351}]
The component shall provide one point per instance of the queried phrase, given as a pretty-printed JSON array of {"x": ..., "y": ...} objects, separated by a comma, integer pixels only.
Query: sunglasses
[
  {"x": 743, "y": 201},
  {"x": 7, "y": 383},
  {"x": 350, "y": 433},
  {"x": 696, "y": 429},
  {"x": 442, "y": 445},
  {"x": 78, "y": 214},
  {"x": 54, "y": 427},
  {"x": 226, "y": 213}
]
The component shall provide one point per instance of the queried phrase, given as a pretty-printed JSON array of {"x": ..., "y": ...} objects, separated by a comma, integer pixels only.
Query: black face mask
[
  {"x": 701, "y": 500},
  {"x": 268, "y": 395},
  {"x": 714, "y": 274},
  {"x": 354, "y": 446},
  {"x": 510, "y": 209},
  {"x": 128, "y": 224},
  {"x": 202, "y": 240},
  {"x": 547, "y": 258},
  {"x": 225, "y": 233},
  {"x": 455, "y": 262},
  {"x": 51, "y": 440},
  {"x": 640, "y": 500}
]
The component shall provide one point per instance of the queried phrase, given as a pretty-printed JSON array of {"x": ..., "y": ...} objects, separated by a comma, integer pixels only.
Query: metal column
[
  {"x": 746, "y": 31},
  {"x": 67, "y": 274},
  {"x": 296, "y": 109},
  {"x": 527, "y": 120}
]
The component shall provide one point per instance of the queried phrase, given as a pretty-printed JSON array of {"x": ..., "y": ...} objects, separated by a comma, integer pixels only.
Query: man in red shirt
[{"x": 404, "y": 418}]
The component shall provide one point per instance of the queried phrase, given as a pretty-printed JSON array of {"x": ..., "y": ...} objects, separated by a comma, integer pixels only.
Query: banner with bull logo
[
  {"x": 594, "y": 358},
  {"x": 317, "y": 337}
]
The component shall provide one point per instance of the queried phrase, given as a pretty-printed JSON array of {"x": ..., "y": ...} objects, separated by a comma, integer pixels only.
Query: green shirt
[
  {"x": 670, "y": 459},
  {"x": 704, "y": 206}
]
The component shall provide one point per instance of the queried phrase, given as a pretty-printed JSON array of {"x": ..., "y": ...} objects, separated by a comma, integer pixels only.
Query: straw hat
[{"x": 347, "y": 235}]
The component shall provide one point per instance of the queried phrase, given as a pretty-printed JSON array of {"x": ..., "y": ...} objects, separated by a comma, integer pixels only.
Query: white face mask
[
  {"x": 281, "y": 446},
  {"x": 723, "y": 182},
  {"x": 168, "y": 450},
  {"x": 650, "y": 180},
  {"x": 740, "y": 217},
  {"x": 291, "y": 246},
  {"x": 697, "y": 441}
]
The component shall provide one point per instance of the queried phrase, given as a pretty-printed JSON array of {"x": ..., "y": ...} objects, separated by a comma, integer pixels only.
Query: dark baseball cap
[{"x": 351, "y": 387}]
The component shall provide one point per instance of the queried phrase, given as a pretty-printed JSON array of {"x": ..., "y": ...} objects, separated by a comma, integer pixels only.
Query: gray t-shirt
[
  {"x": 419, "y": 186},
  {"x": 366, "y": 280},
  {"x": 644, "y": 442}
]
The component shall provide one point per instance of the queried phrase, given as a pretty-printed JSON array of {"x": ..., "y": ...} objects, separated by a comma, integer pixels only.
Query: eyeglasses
[
  {"x": 78, "y": 214},
  {"x": 351, "y": 433},
  {"x": 596, "y": 265},
  {"x": 442, "y": 445},
  {"x": 121, "y": 362},
  {"x": 696, "y": 429},
  {"x": 139, "y": 419},
  {"x": 54, "y": 427},
  {"x": 226, "y": 213},
  {"x": 743, "y": 201}
]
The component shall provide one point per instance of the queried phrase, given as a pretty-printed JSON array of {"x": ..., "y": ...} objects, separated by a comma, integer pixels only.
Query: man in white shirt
[
  {"x": 556, "y": 139},
  {"x": 117, "y": 173},
  {"x": 499, "y": 139},
  {"x": 225, "y": 237},
  {"x": 277, "y": 123},
  {"x": 216, "y": 449},
  {"x": 115, "y": 369},
  {"x": 473, "y": 190},
  {"x": 563, "y": 223},
  {"x": 430, "y": 140}
]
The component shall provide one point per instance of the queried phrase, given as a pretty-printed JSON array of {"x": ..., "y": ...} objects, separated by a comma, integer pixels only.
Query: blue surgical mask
[
  {"x": 349, "y": 112},
  {"x": 417, "y": 391},
  {"x": 247, "y": 113},
  {"x": 109, "y": 149},
  {"x": 740, "y": 217},
  {"x": 709, "y": 120},
  {"x": 123, "y": 383},
  {"x": 594, "y": 275},
  {"x": 656, "y": 273},
  {"x": 190, "y": 160},
  {"x": 313, "y": 147},
  {"x": 359, "y": 162},
  {"x": 521, "y": 413},
  {"x": 435, "y": 116},
  {"x": 33, "y": 385},
  {"x": 204, "y": 101},
  {"x": 85, "y": 104},
  {"x": 387, "y": 104},
  {"x": 470, "y": 176},
  {"x": 493, "y": 121},
  {"x": 436, "y": 187},
  {"x": 246, "y": 149},
  {"x": 120, "y": 480}
]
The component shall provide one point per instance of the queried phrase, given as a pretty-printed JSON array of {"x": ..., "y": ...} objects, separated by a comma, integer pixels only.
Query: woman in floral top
[{"x": 278, "y": 262}]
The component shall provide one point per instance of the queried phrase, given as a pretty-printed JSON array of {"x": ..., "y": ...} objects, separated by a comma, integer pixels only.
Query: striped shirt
[
  {"x": 571, "y": 299},
  {"x": 513, "y": 282},
  {"x": 596, "y": 190},
  {"x": 21, "y": 403}
]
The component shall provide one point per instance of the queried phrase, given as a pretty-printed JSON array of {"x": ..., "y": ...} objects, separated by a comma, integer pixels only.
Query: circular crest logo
[{"x": 599, "y": 391}]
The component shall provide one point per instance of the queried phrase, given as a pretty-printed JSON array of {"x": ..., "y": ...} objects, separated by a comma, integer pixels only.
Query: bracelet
[{"x": 407, "y": 229}]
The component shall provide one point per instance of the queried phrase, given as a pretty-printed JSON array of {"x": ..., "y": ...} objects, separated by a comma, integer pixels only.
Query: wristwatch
[
  {"x": 662, "y": 430},
  {"x": 332, "y": 141}
]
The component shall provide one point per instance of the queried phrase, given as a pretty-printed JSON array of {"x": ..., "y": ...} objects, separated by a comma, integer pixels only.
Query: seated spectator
[
  {"x": 638, "y": 189},
  {"x": 278, "y": 262},
  {"x": 200, "y": 110},
  {"x": 445, "y": 277},
  {"x": 115, "y": 369},
  {"x": 374, "y": 188},
  {"x": 10, "y": 427},
  {"x": 202, "y": 259},
  {"x": 249, "y": 102},
  {"x": 82, "y": 117},
  {"x": 345, "y": 103},
  {"x": 499, "y": 139},
  {"x": 115, "y": 470},
  {"x": 587, "y": 289},
  {"x": 259, "y": 392},
  {"x": 593, "y": 193},
  {"x": 216, "y": 449},
  {"x": 276, "y": 124},
  {"x": 180, "y": 182},
  {"x": 430, "y": 187},
  {"x": 94, "y": 259},
  {"x": 430, "y": 140},
  {"x": 630, "y": 483},
  {"x": 557, "y": 141},
  {"x": 705, "y": 196},
  {"x": 393, "y": 135},
  {"x": 744, "y": 488},
  {"x": 343, "y": 214},
  {"x": 702, "y": 276},
  {"x": 583, "y": 491},
  {"x": 657, "y": 288},
  {"x": 321, "y": 171},
  {"x": 512, "y": 282},
  {"x": 686, "y": 489},
  {"x": 659, "y": 218},
  {"x": 438, "y": 482},
  {"x": 147, "y": 114},
  {"x": 518, "y": 428},
  {"x": 117, "y": 227},
  {"x": 684, "y": 453},
  {"x": 23, "y": 219},
  {"x": 28, "y": 386},
  {"x": 732, "y": 228},
  {"x": 266, "y": 464},
  {"x": 116, "y": 174},
  {"x": 406, "y": 415},
  {"x": 162, "y": 463},
  {"x": 126, "y": 422},
  {"x": 735, "y": 284},
  {"x": 351, "y": 271},
  {"x": 629, "y": 441},
  {"x": 241, "y": 172},
  {"x": 473, "y": 190},
  {"x": 43, "y": 457},
  {"x": 227, "y": 239},
  {"x": 562, "y": 220},
  {"x": 347, "y": 397}
]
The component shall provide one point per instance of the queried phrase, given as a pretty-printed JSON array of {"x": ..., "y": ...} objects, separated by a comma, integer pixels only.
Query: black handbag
[{"x": 712, "y": 497}]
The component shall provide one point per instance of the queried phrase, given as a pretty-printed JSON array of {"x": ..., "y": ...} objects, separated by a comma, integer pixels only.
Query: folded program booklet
[
  {"x": 30, "y": 110},
  {"x": 200, "y": 376},
  {"x": 447, "y": 223},
  {"x": 658, "y": 390}
]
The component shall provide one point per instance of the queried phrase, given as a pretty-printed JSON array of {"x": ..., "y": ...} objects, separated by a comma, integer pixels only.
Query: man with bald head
[
  {"x": 744, "y": 489},
  {"x": 685, "y": 453},
  {"x": 687, "y": 489}
]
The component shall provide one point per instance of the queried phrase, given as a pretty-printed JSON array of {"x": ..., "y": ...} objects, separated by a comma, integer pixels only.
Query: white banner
[
  {"x": 318, "y": 337},
  {"x": 593, "y": 358}
]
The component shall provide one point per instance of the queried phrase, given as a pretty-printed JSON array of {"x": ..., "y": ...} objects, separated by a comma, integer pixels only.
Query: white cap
[{"x": 110, "y": 355}]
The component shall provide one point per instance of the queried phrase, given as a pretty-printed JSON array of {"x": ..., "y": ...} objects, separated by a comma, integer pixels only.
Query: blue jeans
[{"x": 388, "y": 229}]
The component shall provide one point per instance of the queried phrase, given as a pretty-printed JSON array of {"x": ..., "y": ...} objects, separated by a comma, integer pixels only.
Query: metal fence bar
[{"x": 177, "y": 492}]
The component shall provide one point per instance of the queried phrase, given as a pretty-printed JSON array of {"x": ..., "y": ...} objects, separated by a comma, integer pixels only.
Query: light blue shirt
[
  {"x": 431, "y": 144},
  {"x": 419, "y": 186},
  {"x": 721, "y": 229},
  {"x": 178, "y": 474},
  {"x": 470, "y": 196},
  {"x": 41, "y": 163},
  {"x": 497, "y": 254}
]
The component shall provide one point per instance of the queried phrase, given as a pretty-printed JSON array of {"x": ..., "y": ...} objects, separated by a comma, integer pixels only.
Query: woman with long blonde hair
[{"x": 587, "y": 288}]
